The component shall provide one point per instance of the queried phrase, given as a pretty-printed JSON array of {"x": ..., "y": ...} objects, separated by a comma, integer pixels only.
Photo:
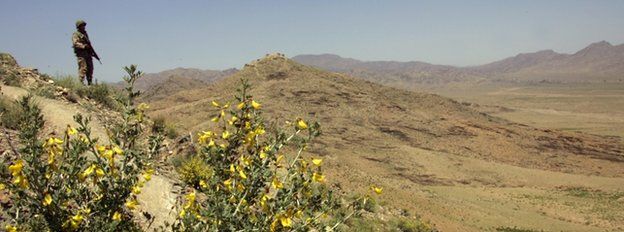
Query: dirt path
[
  {"x": 58, "y": 114},
  {"x": 157, "y": 197}
]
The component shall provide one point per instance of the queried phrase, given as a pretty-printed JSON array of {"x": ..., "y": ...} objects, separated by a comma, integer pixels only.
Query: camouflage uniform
[{"x": 83, "y": 51}]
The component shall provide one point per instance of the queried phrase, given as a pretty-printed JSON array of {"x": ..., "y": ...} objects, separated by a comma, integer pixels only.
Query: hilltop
[
  {"x": 598, "y": 62},
  {"x": 435, "y": 156},
  {"x": 198, "y": 76}
]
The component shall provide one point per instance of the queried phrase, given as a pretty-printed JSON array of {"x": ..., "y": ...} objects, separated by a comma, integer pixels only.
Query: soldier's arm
[{"x": 77, "y": 43}]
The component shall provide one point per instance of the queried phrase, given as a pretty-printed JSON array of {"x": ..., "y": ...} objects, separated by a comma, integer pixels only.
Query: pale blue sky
[{"x": 159, "y": 35}]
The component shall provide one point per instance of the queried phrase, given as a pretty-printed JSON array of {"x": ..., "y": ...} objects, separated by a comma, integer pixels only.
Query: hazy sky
[{"x": 159, "y": 35}]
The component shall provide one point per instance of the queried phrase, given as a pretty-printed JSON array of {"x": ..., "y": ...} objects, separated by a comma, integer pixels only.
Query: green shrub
[
  {"x": 11, "y": 79},
  {"x": 194, "y": 170},
  {"x": 406, "y": 225},
  {"x": 162, "y": 127},
  {"x": 514, "y": 229},
  {"x": 101, "y": 93},
  {"x": 73, "y": 182},
  {"x": 45, "y": 91},
  {"x": 68, "y": 82},
  {"x": 11, "y": 112}
]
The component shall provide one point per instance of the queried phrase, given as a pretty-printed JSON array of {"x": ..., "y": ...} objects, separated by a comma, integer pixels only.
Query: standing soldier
[{"x": 84, "y": 51}]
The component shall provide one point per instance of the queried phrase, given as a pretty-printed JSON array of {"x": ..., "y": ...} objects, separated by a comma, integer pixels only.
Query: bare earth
[{"x": 459, "y": 168}]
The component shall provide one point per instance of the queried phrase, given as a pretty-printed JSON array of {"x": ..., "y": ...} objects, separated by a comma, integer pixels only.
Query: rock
[
  {"x": 157, "y": 199},
  {"x": 7, "y": 60}
]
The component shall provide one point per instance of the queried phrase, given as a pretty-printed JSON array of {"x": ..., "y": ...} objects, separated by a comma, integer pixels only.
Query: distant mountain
[
  {"x": 150, "y": 80},
  {"x": 170, "y": 86},
  {"x": 598, "y": 62}
]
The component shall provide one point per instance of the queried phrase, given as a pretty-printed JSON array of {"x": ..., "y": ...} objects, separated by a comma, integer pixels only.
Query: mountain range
[
  {"x": 197, "y": 76},
  {"x": 598, "y": 62}
]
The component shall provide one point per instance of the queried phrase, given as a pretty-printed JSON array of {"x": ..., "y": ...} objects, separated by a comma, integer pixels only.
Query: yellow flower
[
  {"x": 285, "y": 221},
  {"x": 77, "y": 218},
  {"x": 317, "y": 161},
  {"x": 301, "y": 125},
  {"x": 54, "y": 141},
  {"x": 222, "y": 113},
  {"x": 203, "y": 184},
  {"x": 51, "y": 157},
  {"x": 225, "y": 135},
  {"x": 279, "y": 158},
  {"x": 143, "y": 107},
  {"x": 182, "y": 213},
  {"x": 242, "y": 174},
  {"x": 204, "y": 136},
  {"x": 108, "y": 154},
  {"x": 2, "y": 186},
  {"x": 136, "y": 190},
  {"x": 215, "y": 104},
  {"x": 147, "y": 176},
  {"x": 71, "y": 130},
  {"x": 232, "y": 169},
  {"x": 47, "y": 200},
  {"x": 377, "y": 190},
  {"x": 89, "y": 170},
  {"x": 211, "y": 143},
  {"x": 16, "y": 168},
  {"x": 215, "y": 119},
  {"x": 118, "y": 150},
  {"x": 100, "y": 148},
  {"x": 132, "y": 204},
  {"x": 277, "y": 184},
  {"x": 84, "y": 138},
  {"x": 228, "y": 184},
  {"x": 318, "y": 177},
  {"x": 10, "y": 228},
  {"x": 20, "y": 181},
  {"x": 240, "y": 105},
  {"x": 255, "y": 105},
  {"x": 246, "y": 161},
  {"x": 99, "y": 172},
  {"x": 191, "y": 197},
  {"x": 259, "y": 131},
  {"x": 117, "y": 216},
  {"x": 263, "y": 155}
]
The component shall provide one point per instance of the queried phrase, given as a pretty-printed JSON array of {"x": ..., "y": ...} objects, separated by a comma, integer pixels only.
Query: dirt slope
[{"x": 460, "y": 168}]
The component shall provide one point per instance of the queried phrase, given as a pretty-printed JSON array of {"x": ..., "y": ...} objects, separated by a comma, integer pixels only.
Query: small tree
[{"x": 74, "y": 182}]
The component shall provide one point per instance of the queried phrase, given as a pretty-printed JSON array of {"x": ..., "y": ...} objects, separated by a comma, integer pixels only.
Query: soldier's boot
[{"x": 90, "y": 80}]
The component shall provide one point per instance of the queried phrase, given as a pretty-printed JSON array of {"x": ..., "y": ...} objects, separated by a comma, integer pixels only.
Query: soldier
[{"x": 84, "y": 52}]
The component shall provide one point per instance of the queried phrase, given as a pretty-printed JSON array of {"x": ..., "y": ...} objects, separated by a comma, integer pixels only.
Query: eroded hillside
[{"x": 427, "y": 150}]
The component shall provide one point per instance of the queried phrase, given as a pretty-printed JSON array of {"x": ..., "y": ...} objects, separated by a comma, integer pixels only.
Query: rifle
[{"x": 94, "y": 53}]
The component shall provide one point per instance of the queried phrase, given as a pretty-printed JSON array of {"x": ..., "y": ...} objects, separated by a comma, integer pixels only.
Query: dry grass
[{"x": 461, "y": 169}]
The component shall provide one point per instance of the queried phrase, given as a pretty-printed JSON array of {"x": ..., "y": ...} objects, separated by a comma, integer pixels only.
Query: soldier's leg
[
  {"x": 82, "y": 68},
  {"x": 89, "y": 70}
]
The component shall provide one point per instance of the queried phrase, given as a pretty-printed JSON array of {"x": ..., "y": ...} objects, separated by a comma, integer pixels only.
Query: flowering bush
[
  {"x": 245, "y": 176},
  {"x": 75, "y": 182},
  {"x": 253, "y": 184}
]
